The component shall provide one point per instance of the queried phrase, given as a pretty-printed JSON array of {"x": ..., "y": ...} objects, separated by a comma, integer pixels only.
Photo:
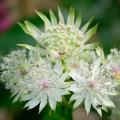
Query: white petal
[
  {"x": 58, "y": 68},
  {"x": 87, "y": 103},
  {"x": 74, "y": 88}
]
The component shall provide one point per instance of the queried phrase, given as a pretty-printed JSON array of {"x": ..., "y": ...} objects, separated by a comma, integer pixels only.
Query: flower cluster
[{"x": 63, "y": 63}]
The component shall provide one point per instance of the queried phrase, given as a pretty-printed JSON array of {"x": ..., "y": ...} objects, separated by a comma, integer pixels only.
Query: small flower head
[{"x": 113, "y": 64}]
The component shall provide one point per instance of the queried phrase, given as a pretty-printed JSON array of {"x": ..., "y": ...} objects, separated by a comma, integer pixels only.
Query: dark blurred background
[{"x": 106, "y": 13}]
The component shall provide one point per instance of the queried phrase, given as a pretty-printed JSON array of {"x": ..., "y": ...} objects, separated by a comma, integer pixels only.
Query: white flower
[
  {"x": 45, "y": 82},
  {"x": 14, "y": 67},
  {"x": 34, "y": 80},
  {"x": 113, "y": 64},
  {"x": 60, "y": 38},
  {"x": 92, "y": 85}
]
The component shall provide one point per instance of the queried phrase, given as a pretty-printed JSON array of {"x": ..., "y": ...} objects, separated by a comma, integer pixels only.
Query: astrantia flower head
[
  {"x": 92, "y": 85},
  {"x": 113, "y": 64},
  {"x": 45, "y": 83},
  {"x": 60, "y": 38},
  {"x": 15, "y": 66}
]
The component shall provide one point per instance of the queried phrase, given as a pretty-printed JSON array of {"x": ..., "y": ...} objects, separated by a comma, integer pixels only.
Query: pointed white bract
[{"x": 63, "y": 60}]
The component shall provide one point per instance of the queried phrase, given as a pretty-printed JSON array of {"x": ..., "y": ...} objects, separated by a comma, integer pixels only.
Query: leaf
[
  {"x": 53, "y": 17},
  {"x": 71, "y": 17}
]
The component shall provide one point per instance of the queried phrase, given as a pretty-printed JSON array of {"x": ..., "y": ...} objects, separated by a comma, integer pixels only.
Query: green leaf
[
  {"x": 71, "y": 17},
  {"x": 53, "y": 17}
]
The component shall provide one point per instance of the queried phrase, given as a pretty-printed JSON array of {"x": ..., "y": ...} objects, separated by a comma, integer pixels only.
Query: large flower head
[
  {"x": 92, "y": 85},
  {"x": 44, "y": 83},
  {"x": 35, "y": 80},
  {"x": 61, "y": 38}
]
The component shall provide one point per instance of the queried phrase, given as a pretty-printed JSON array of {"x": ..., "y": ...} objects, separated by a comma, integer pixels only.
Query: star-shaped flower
[
  {"x": 60, "y": 39},
  {"x": 92, "y": 85},
  {"x": 45, "y": 83}
]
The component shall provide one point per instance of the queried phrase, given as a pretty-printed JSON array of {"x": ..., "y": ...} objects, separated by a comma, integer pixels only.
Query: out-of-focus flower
[
  {"x": 14, "y": 67},
  {"x": 5, "y": 20},
  {"x": 93, "y": 86},
  {"x": 113, "y": 64}
]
